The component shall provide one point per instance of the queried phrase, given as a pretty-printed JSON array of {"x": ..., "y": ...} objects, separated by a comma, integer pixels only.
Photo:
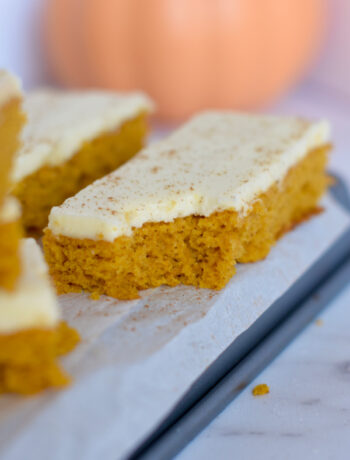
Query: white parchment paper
[{"x": 138, "y": 358}]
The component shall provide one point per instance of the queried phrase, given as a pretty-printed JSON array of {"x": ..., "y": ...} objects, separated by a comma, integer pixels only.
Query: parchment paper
[{"x": 139, "y": 357}]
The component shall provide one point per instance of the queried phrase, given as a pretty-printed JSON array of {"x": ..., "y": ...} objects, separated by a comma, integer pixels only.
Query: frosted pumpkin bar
[
  {"x": 71, "y": 139},
  {"x": 11, "y": 122},
  {"x": 32, "y": 334},
  {"x": 221, "y": 189}
]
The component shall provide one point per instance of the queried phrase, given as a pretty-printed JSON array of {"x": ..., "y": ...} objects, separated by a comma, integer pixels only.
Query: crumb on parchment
[{"x": 95, "y": 296}]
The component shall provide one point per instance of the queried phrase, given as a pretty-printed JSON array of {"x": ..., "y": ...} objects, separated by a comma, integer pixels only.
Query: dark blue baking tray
[{"x": 253, "y": 350}]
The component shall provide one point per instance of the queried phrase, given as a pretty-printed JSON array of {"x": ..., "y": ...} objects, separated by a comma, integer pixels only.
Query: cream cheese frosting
[
  {"x": 216, "y": 161},
  {"x": 10, "y": 210},
  {"x": 10, "y": 87},
  {"x": 33, "y": 303},
  {"x": 60, "y": 121}
]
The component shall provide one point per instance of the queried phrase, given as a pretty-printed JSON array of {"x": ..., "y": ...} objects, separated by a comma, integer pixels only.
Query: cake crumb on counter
[{"x": 260, "y": 390}]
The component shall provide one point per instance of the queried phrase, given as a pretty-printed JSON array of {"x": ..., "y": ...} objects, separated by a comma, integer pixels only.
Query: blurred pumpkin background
[{"x": 189, "y": 55}]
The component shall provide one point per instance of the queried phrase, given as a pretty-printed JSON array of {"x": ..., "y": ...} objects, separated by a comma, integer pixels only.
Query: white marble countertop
[{"x": 307, "y": 412}]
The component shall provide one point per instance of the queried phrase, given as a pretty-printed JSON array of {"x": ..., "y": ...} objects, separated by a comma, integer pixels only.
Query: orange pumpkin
[{"x": 187, "y": 54}]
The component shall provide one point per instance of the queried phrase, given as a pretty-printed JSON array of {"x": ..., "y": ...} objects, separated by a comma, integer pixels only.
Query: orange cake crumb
[
  {"x": 193, "y": 250},
  {"x": 261, "y": 389},
  {"x": 95, "y": 296},
  {"x": 28, "y": 359},
  {"x": 50, "y": 185}
]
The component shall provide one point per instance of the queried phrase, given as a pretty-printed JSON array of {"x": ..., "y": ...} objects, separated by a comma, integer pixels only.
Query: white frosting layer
[
  {"x": 10, "y": 210},
  {"x": 10, "y": 87},
  {"x": 33, "y": 303},
  {"x": 217, "y": 161},
  {"x": 60, "y": 121}
]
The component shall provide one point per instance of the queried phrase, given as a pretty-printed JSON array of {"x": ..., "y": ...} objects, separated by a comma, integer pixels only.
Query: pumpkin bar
[
  {"x": 220, "y": 190},
  {"x": 71, "y": 139},
  {"x": 32, "y": 334},
  {"x": 11, "y": 123}
]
